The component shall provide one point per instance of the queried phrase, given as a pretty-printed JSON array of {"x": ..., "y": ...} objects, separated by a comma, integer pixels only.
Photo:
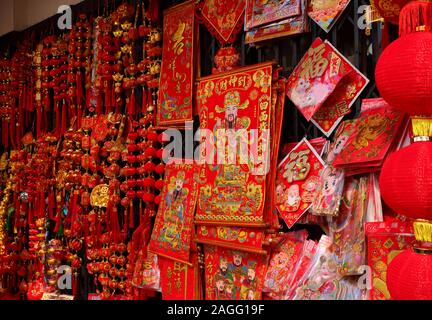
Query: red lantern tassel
[
  {"x": 5, "y": 134},
  {"x": 131, "y": 216},
  {"x": 12, "y": 127},
  {"x": 414, "y": 15},
  {"x": 30, "y": 215},
  {"x": 79, "y": 116},
  {"x": 132, "y": 103},
  {"x": 58, "y": 121},
  {"x": 99, "y": 104},
  {"x": 64, "y": 119},
  {"x": 38, "y": 121},
  {"x": 51, "y": 204},
  {"x": 75, "y": 285},
  {"x": 144, "y": 102},
  {"x": 79, "y": 89},
  {"x": 42, "y": 206},
  {"x": 107, "y": 99}
]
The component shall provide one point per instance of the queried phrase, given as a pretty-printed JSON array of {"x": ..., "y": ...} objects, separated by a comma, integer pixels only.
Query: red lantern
[
  {"x": 406, "y": 181},
  {"x": 409, "y": 276},
  {"x": 404, "y": 70}
]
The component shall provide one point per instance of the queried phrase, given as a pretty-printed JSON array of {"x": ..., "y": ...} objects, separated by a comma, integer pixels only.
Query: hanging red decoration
[
  {"x": 404, "y": 71},
  {"x": 406, "y": 181},
  {"x": 389, "y": 9},
  {"x": 409, "y": 276}
]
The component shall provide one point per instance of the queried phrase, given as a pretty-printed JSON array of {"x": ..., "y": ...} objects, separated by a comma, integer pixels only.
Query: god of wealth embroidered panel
[
  {"x": 235, "y": 114},
  {"x": 172, "y": 233}
]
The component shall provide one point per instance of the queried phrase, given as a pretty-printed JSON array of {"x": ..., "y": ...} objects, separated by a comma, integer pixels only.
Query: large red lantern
[
  {"x": 409, "y": 276},
  {"x": 404, "y": 70},
  {"x": 406, "y": 181}
]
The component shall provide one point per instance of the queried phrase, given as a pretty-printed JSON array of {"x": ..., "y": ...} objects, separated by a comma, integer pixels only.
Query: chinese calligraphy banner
[
  {"x": 235, "y": 111},
  {"x": 297, "y": 182},
  {"x": 233, "y": 275},
  {"x": 177, "y": 74},
  {"x": 172, "y": 234},
  {"x": 180, "y": 281}
]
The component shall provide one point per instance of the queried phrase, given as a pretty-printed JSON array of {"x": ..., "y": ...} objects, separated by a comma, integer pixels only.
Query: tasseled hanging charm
[
  {"x": 416, "y": 16},
  {"x": 131, "y": 105},
  {"x": 5, "y": 134}
]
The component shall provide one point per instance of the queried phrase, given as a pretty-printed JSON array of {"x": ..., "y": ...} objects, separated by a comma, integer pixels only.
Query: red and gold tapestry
[
  {"x": 326, "y": 12},
  {"x": 375, "y": 134},
  {"x": 284, "y": 28},
  {"x": 385, "y": 240},
  {"x": 177, "y": 73},
  {"x": 282, "y": 263},
  {"x": 297, "y": 182},
  {"x": 260, "y": 12},
  {"x": 339, "y": 104},
  {"x": 180, "y": 281},
  {"x": 316, "y": 77},
  {"x": 172, "y": 233},
  {"x": 224, "y": 18},
  {"x": 233, "y": 275},
  {"x": 235, "y": 114},
  {"x": 249, "y": 239}
]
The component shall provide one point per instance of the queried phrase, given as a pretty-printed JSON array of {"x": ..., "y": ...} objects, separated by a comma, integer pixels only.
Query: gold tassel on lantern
[
  {"x": 422, "y": 128},
  {"x": 423, "y": 231}
]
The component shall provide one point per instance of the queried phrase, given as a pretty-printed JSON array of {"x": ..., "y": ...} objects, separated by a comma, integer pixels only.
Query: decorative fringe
[
  {"x": 423, "y": 231},
  {"x": 99, "y": 104},
  {"x": 5, "y": 134},
  {"x": 38, "y": 121},
  {"x": 414, "y": 15},
  {"x": 131, "y": 105},
  {"x": 422, "y": 127}
]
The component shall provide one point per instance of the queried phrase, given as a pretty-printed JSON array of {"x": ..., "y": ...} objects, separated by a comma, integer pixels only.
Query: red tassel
[
  {"x": 99, "y": 104},
  {"x": 12, "y": 127},
  {"x": 5, "y": 134},
  {"x": 79, "y": 89},
  {"x": 79, "y": 116},
  {"x": 75, "y": 286},
  {"x": 132, "y": 103},
  {"x": 42, "y": 206},
  {"x": 57, "y": 121},
  {"x": 131, "y": 216},
  {"x": 30, "y": 214},
  {"x": 38, "y": 122},
  {"x": 414, "y": 15},
  {"x": 144, "y": 101},
  {"x": 51, "y": 204},
  {"x": 47, "y": 103},
  {"x": 64, "y": 119}
]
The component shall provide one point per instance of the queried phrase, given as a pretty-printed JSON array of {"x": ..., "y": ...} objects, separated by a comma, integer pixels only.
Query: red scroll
[
  {"x": 235, "y": 114},
  {"x": 172, "y": 234},
  {"x": 233, "y": 275},
  {"x": 177, "y": 75}
]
